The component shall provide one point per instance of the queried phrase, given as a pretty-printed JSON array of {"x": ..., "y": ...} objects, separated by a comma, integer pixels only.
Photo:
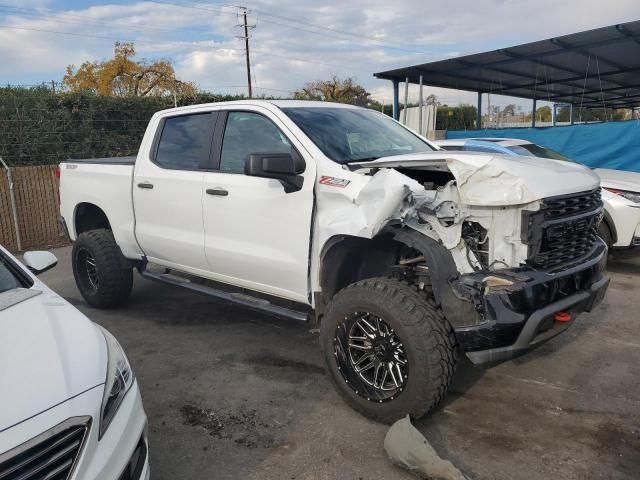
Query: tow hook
[{"x": 562, "y": 317}]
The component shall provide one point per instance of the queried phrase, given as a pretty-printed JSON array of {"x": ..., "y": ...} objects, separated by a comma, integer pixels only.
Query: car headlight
[
  {"x": 118, "y": 382},
  {"x": 631, "y": 196}
]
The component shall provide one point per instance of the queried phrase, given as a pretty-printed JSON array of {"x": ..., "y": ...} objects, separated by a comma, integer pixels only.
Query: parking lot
[{"x": 234, "y": 394}]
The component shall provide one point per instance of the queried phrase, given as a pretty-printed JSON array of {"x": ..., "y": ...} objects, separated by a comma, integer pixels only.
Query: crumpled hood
[
  {"x": 49, "y": 352},
  {"x": 619, "y": 179},
  {"x": 499, "y": 180}
]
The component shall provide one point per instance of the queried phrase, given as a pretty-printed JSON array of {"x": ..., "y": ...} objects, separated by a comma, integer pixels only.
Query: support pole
[
  {"x": 420, "y": 108},
  {"x": 396, "y": 93},
  {"x": 554, "y": 115},
  {"x": 406, "y": 100},
  {"x": 533, "y": 114},
  {"x": 245, "y": 25},
  {"x": 14, "y": 210},
  {"x": 572, "y": 115},
  {"x": 479, "y": 112}
]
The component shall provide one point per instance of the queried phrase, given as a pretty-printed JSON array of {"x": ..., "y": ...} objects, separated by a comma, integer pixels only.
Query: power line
[
  {"x": 378, "y": 42},
  {"x": 174, "y": 43}
]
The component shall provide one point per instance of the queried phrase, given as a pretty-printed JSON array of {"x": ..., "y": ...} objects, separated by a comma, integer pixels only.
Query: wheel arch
[
  {"x": 89, "y": 216},
  {"x": 608, "y": 221},
  {"x": 347, "y": 259}
]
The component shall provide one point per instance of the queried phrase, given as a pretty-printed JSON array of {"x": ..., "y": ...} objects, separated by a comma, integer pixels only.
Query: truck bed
[
  {"x": 105, "y": 183},
  {"x": 103, "y": 161}
]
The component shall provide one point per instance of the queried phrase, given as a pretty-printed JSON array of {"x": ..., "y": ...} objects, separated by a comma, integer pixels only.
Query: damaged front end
[
  {"x": 505, "y": 254},
  {"x": 518, "y": 308}
]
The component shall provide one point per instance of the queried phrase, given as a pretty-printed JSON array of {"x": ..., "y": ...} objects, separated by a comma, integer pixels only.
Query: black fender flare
[
  {"x": 611, "y": 225},
  {"x": 443, "y": 271}
]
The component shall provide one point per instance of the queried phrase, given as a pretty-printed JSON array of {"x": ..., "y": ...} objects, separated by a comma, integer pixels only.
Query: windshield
[
  {"x": 351, "y": 135},
  {"x": 533, "y": 150},
  {"x": 10, "y": 276}
]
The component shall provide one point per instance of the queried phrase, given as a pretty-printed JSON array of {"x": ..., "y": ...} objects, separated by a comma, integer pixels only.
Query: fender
[{"x": 458, "y": 311}]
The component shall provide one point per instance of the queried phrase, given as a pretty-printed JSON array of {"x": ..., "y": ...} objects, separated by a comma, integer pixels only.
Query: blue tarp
[{"x": 606, "y": 145}]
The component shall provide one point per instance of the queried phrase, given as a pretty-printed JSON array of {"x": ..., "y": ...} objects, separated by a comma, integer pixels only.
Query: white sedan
[
  {"x": 70, "y": 406},
  {"x": 620, "y": 227}
]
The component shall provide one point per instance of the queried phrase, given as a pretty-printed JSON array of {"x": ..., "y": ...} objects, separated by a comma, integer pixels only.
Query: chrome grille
[{"x": 51, "y": 455}]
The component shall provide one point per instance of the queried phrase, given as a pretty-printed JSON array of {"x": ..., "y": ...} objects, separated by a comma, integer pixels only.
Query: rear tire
[
  {"x": 415, "y": 332},
  {"x": 100, "y": 269}
]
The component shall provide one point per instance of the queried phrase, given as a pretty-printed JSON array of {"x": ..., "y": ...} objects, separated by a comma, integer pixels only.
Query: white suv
[{"x": 620, "y": 195}]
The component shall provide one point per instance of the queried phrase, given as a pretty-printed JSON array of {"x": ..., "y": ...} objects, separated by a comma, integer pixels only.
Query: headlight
[
  {"x": 118, "y": 383},
  {"x": 631, "y": 196}
]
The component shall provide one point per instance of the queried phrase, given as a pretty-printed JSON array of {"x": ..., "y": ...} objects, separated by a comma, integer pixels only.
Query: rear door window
[{"x": 185, "y": 141}]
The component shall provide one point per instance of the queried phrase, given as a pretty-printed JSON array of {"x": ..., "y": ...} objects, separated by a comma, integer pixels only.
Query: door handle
[
  {"x": 217, "y": 191},
  {"x": 146, "y": 185}
]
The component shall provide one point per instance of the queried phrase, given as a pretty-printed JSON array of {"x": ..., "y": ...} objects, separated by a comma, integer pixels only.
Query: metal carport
[{"x": 592, "y": 69}]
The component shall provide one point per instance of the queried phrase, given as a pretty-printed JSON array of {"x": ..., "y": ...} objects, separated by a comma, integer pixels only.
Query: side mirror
[
  {"x": 280, "y": 166},
  {"x": 39, "y": 261}
]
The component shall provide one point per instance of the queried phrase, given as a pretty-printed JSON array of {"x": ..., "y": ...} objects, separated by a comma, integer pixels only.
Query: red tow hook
[{"x": 562, "y": 317}]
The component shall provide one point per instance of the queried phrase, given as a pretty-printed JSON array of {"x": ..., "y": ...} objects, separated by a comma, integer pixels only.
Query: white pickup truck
[{"x": 406, "y": 255}]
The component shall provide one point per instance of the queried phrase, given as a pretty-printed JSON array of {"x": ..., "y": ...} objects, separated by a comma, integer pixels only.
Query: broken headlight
[{"x": 118, "y": 382}]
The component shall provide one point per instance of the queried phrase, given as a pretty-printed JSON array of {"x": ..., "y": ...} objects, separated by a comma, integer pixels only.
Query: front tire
[
  {"x": 100, "y": 270},
  {"x": 383, "y": 325}
]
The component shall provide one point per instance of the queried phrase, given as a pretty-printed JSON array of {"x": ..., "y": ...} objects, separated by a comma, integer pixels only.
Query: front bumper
[
  {"x": 121, "y": 453},
  {"x": 519, "y": 316},
  {"x": 118, "y": 455}
]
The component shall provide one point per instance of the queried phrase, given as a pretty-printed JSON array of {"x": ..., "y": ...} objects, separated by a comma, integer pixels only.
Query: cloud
[{"x": 359, "y": 37}]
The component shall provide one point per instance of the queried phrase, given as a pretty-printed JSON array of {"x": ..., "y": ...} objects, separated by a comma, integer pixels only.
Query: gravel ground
[{"x": 235, "y": 394}]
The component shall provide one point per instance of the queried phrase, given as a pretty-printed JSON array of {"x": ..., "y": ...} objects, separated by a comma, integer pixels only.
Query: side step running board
[{"x": 260, "y": 304}]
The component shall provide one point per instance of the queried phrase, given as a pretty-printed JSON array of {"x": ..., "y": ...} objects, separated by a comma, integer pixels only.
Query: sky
[{"x": 293, "y": 42}]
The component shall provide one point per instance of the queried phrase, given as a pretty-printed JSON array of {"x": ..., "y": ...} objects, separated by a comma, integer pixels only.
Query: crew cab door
[
  {"x": 167, "y": 191},
  {"x": 256, "y": 235}
]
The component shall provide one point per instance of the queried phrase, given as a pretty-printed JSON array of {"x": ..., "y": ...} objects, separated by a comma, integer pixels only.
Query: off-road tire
[
  {"x": 114, "y": 275},
  {"x": 427, "y": 337}
]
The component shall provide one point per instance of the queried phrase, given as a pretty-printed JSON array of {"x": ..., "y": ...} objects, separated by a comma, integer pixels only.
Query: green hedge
[
  {"x": 456, "y": 118},
  {"x": 39, "y": 126}
]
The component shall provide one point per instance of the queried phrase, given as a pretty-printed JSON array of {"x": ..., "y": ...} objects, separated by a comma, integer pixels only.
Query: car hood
[
  {"x": 499, "y": 180},
  {"x": 619, "y": 179},
  {"x": 49, "y": 353}
]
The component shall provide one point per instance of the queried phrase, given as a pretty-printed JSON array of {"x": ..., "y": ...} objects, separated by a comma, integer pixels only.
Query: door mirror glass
[
  {"x": 285, "y": 167},
  {"x": 39, "y": 261}
]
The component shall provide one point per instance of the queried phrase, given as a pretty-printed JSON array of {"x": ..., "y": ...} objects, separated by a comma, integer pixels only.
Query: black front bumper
[{"x": 518, "y": 315}]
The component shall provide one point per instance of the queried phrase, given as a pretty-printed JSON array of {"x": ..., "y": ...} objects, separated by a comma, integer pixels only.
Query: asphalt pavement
[{"x": 234, "y": 394}]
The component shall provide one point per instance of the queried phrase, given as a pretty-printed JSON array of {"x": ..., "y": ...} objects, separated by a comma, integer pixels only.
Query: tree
[
  {"x": 509, "y": 110},
  {"x": 543, "y": 114},
  {"x": 462, "y": 117},
  {"x": 122, "y": 76},
  {"x": 334, "y": 90},
  {"x": 431, "y": 100}
]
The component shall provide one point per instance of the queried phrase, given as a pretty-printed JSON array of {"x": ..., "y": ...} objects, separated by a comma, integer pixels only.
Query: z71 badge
[{"x": 334, "y": 182}]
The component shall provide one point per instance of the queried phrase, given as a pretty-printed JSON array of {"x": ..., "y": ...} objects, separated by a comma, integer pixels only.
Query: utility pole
[{"x": 246, "y": 26}]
